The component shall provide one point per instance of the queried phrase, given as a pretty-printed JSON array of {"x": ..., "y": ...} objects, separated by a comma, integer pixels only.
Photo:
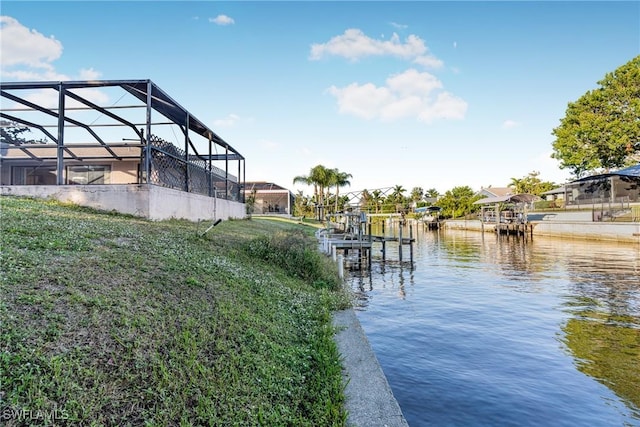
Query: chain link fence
[{"x": 170, "y": 169}]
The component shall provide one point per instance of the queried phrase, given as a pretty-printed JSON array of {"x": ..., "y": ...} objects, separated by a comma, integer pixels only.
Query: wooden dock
[{"x": 361, "y": 240}]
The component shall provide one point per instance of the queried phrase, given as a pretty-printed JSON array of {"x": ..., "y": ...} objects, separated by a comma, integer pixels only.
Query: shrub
[{"x": 294, "y": 252}]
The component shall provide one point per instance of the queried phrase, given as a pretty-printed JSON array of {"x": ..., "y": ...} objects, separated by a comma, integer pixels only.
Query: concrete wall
[
  {"x": 462, "y": 224},
  {"x": 147, "y": 201},
  {"x": 609, "y": 231},
  {"x": 627, "y": 232}
]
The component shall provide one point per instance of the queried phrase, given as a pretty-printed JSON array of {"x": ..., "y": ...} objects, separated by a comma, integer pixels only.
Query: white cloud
[
  {"x": 445, "y": 106},
  {"x": 354, "y": 45},
  {"x": 228, "y": 121},
  {"x": 510, "y": 124},
  {"x": 364, "y": 101},
  {"x": 408, "y": 94},
  {"x": 27, "y": 55},
  {"x": 24, "y": 47},
  {"x": 89, "y": 74},
  {"x": 428, "y": 61},
  {"x": 399, "y": 26},
  {"x": 222, "y": 20}
]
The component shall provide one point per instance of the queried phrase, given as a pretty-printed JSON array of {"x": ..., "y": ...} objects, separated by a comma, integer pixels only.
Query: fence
[{"x": 169, "y": 168}]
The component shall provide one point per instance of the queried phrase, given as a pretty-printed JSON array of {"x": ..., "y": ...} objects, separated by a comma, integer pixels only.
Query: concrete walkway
[{"x": 369, "y": 399}]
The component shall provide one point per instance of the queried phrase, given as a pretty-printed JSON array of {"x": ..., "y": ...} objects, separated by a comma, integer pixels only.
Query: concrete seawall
[
  {"x": 369, "y": 399},
  {"x": 621, "y": 232}
]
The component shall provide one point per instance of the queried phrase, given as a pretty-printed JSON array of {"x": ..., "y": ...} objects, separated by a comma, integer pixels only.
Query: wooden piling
[
  {"x": 411, "y": 243},
  {"x": 400, "y": 243}
]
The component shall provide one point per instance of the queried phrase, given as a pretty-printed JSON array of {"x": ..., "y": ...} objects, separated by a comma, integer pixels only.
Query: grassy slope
[{"x": 113, "y": 320}]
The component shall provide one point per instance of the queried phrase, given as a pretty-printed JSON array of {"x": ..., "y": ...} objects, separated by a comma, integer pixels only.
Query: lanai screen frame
[{"x": 152, "y": 98}]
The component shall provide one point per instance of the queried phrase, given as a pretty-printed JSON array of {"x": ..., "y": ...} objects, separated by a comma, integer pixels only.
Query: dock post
[
  {"x": 370, "y": 253},
  {"x": 384, "y": 249},
  {"x": 333, "y": 253},
  {"x": 400, "y": 243},
  {"x": 411, "y": 243},
  {"x": 341, "y": 266}
]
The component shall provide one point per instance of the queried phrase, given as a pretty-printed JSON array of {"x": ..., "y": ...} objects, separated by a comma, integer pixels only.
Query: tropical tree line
[{"x": 455, "y": 203}]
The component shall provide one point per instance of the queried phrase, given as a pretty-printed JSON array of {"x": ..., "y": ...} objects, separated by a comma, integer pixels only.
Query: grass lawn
[{"x": 109, "y": 319}]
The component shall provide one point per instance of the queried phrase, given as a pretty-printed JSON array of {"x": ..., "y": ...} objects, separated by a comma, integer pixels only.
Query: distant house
[
  {"x": 557, "y": 194},
  {"x": 270, "y": 198},
  {"x": 495, "y": 192}
]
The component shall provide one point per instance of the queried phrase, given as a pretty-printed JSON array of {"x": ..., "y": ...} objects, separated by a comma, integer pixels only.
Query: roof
[
  {"x": 559, "y": 190},
  {"x": 428, "y": 209},
  {"x": 497, "y": 191},
  {"x": 515, "y": 198},
  {"x": 263, "y": 186},
  {"x": 631, "y": 171}
]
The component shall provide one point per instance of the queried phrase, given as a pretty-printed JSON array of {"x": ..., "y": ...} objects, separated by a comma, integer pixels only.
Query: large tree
[
  {"x": 601, "y": 130},
  {"x": 458, "y": 202},
  {"x": 531, "y": 184}
]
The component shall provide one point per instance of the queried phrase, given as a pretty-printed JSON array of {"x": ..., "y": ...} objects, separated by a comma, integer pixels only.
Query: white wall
[{"x": 144, "y": 200}]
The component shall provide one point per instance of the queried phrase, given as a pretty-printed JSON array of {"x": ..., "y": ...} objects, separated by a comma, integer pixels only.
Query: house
[
  {"x": 495, "y": 192},
  {"x": 616, "y": 187},
  {"x": 133, "y": 149},
  {"x": 270, "y": 198}
]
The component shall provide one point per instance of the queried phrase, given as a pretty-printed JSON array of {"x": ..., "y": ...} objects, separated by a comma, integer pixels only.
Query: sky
[{"x": 414, "y": 93}]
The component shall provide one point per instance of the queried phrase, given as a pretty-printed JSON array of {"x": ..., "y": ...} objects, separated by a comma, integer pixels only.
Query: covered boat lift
[{"x": 509, "y": 213}]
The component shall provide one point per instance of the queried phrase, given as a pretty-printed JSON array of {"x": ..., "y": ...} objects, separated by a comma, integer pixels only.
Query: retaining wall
[
  {"x": 144, "y": 200},
  {"x": 627, "y": 232}
]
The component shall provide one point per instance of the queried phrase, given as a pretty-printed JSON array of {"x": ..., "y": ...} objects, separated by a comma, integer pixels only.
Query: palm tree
[
  {"x": 517, "y": 185},
  {"x": 376, "y": 198},
  {"x": 320, "y": 177},
  {"x": 397, "y": 197},
  {"x": 432, "y": 192},
  {"x": 365, "y": 200},
  {"x": 339, "y": 179},
  {"x": 417, "y": 193}
]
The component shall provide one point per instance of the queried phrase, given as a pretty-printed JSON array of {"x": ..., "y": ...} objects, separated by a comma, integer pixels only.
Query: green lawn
[{"x": 110, "y": 319}]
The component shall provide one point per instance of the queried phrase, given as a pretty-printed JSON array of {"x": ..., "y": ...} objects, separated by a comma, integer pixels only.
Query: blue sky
[{"x": 430, "y": 94}]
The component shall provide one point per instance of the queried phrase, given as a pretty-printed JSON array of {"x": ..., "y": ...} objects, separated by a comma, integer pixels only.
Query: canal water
[{"x": 497, "y": 331}]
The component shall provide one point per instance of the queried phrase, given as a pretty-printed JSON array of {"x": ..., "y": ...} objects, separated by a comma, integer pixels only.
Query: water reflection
[
  {"x": 606, "y": 346},
  {"x": 537, "y": 332}
]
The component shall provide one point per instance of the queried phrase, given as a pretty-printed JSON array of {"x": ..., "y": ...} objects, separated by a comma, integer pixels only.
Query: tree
[
  {"x": 365, "y": 201},
  {"x": 601, "y": 130},
  {"x": 377, "y": 199},
  {"x": 458, "y": 202},
  {"x": 531, "y": 184},
  {"x": 339, "y": 179},
  {"x": 12, "y": 133},
  {"x": 417, "y": 193},
  {"x": 250, "y": 203},
  {"x": 396, "y": 198},
  {"x": 432, "y": 193},
  {"x": 320, "y": 178}
]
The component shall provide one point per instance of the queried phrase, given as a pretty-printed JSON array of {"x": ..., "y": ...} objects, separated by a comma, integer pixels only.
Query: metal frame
[{"x": 151, "y": 97}]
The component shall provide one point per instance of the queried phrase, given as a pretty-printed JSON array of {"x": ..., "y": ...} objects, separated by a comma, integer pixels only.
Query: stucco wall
[{"x": 148, "y": 201}]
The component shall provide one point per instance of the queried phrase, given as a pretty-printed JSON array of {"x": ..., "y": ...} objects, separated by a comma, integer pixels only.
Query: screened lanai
[
  {"x": 618, "y": 187},
  {"x": 111, "y": 132}
]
